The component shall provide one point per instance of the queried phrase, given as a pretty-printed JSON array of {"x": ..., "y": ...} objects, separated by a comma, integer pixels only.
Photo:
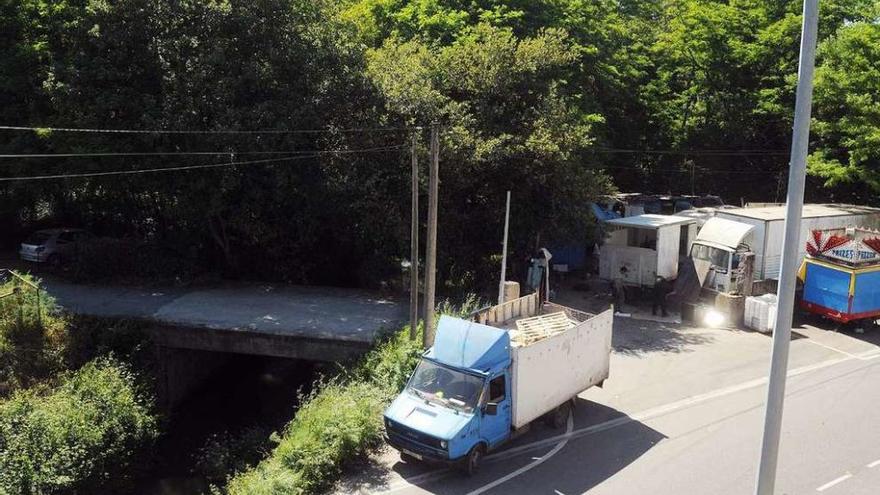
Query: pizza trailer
[{"x": 841, "y": 274}]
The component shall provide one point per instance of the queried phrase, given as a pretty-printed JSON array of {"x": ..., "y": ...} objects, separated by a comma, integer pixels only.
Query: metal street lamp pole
[{"x": 790, "y": 253}]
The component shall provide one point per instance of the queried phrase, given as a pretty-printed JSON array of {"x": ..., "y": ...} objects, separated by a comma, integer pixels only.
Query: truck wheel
[{"x": 471, "y": 463}]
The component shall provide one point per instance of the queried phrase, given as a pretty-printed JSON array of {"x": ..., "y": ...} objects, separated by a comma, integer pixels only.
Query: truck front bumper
[{"x": 419, "y": 451}]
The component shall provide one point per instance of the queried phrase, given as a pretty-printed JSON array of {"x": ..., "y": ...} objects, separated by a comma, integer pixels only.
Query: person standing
[
  {"x": 661, "y": 290},
  {"x": 618, "y": 289}
]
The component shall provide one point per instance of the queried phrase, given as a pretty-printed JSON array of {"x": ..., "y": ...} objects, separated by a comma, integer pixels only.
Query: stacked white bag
[{"x": 760, "y": 312}]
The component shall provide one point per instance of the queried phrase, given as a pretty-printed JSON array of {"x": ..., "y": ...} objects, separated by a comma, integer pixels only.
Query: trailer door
[{"x": 866, "y": 294}]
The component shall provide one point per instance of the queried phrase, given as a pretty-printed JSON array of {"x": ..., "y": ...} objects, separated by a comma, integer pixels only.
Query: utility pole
[
  {"x": 414, "y": 246},
  {"x": 431, "y": 243},
  {"x": 790, "y": 253},
  {"x": 504, "y": 251}
]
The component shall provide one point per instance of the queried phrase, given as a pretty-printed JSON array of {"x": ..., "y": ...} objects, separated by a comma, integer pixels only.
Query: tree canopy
[{"x": 559, "y": 101}]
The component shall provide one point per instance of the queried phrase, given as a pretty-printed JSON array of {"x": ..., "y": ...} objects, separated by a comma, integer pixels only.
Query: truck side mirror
[{"x": 491, "y": 408}]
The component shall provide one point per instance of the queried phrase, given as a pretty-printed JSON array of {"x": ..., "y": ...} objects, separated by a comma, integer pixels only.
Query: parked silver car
[{"x": 53, "y": 246}]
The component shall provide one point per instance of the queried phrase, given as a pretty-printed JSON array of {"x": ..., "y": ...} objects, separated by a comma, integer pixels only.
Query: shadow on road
[
  {"x": 603, "y": 442},
  {"x": 593, "y": 458},
  {"x": 636, "y": 337}
]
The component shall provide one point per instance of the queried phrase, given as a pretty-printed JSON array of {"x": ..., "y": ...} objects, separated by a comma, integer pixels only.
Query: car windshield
[
  {"x": 717, "y": 257},
  {"x": 446, "y": 386},
  {"x": 37, "y": 238}
]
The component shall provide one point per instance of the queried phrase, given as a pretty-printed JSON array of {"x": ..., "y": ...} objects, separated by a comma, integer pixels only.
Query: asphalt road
[{"x": 682, "y": 413}]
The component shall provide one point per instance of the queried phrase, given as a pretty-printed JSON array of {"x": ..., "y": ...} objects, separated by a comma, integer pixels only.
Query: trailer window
[{"x": 496, "y": 389}]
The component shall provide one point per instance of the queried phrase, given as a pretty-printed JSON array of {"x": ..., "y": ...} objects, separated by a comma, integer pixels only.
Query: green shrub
[
  {"x": 32, "y": 334},
  {"x": 84, "y": 435},
  {"x": 338, "y": 422}
]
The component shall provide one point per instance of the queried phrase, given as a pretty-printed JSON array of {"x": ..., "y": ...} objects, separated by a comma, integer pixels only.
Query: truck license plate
[{"x": 412, "y": 454}]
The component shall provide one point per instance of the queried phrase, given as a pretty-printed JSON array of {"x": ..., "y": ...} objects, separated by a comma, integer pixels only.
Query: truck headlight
[{"x": 443, "y": 444}]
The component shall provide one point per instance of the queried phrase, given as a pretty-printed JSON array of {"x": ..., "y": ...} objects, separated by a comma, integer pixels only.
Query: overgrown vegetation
[
  {"x": 37, "y": 341},
  {"x": 73, "y": 418},
  {"x": 340, "y": 420},
  {"x": 85, "y": 434},
  {"x": 33, "y": 335}
]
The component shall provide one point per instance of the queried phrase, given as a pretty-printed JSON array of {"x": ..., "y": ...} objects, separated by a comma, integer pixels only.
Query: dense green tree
[
  {"x": 847, "y": 111},
  {"x": 557, "y": 100},
  {"x": 510, "y": 121}
]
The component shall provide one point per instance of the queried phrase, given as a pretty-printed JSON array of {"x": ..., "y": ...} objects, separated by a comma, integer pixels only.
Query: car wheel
[{"x": 472, "y": 462}]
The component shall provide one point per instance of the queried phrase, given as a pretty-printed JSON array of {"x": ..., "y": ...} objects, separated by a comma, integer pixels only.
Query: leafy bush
[
  {"x": 32, "y": 334},
  {"x": 86, "y": 434},
  {"x": 342, "y": 419}
]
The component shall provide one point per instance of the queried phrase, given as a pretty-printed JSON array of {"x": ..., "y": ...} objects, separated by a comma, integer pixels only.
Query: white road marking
[
  {"x": 642, "y": 416},
  {"x": 569, "y": 428},
  {"x": 841, "y": 351},
  {"x": 874, "y": 464},
  {"x": 834, "y": 482}
]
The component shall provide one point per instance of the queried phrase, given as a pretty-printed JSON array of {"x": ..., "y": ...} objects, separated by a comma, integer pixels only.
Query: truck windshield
[
  {"x": 717, "y": 257},
  {"x": 446, "y": 386}
]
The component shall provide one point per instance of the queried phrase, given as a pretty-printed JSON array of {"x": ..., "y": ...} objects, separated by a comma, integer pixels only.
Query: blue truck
[{"x": 486, "y": 379}]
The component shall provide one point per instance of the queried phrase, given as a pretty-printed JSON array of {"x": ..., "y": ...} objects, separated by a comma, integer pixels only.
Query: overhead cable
[
  {"x": 205, "y": 131},
  {"x": 192, "y": 167}
]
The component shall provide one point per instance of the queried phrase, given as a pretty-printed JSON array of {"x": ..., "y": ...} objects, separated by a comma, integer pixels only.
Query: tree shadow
[
  {"x": 602, "y": 442},
  {"x": 637, "y": 337}
]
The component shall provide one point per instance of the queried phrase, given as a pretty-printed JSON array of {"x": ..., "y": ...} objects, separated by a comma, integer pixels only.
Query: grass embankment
[
  {"x": 335, "y": 424},
  {"x": 340, "y": 421},
  {"x": 73, "y": 418}
]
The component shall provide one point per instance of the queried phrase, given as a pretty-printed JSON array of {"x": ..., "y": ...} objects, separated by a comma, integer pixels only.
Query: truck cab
[
  {"x": 719, "y": 246},
  {"x": 456, "y": 402}
]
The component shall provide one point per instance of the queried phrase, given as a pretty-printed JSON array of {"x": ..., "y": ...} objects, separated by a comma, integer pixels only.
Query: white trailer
[
  {"x": 641, "y": 248},
  {"x": 556, "y": 352},
  {"x": 768, "y": 222}
]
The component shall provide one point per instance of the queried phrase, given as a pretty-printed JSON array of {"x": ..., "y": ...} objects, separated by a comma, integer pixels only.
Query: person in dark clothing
[
  {"x": 618, "y": 289},
  {"x": 662, "y": 288}
]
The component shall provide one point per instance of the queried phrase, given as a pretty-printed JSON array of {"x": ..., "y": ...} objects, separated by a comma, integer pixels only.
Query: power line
[
  {"x": 709, "y": 152},
  {"x": 702, "y": 171},
  {"x": 194, "y": 167},
  {"x": 152, "y": 153},
  {"x": 214, "y": 131}
]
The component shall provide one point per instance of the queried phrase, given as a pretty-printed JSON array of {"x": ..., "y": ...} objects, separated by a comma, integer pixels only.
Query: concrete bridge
[
  {"x": 196, "y": 330},
  {"x": 311, "y": 323}
]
